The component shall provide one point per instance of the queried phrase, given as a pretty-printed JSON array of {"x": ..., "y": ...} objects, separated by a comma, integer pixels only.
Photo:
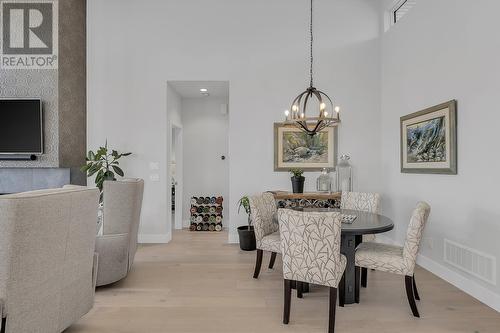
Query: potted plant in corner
[
  {"x": 246, "y": 232},
  {"x": 297, "y": 180},
  {"x": 104, "y": 165}
]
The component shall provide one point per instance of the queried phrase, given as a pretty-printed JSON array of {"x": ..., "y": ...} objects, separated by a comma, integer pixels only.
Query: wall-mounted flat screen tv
[{"x": 21, "y": 126}]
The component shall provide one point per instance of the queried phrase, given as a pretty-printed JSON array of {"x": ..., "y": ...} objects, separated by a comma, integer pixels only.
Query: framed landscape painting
[
  {"x": 429, "y": 140},
  {"x": 295, "y": 149}
]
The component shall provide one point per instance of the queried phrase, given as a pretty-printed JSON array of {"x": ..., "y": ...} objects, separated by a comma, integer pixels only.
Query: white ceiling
[{"x": 191, "y": 89}]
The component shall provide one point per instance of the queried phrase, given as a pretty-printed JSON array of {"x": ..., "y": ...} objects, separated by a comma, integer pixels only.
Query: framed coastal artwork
[
  {"x": 429, "y": 140},
  {"x": 296, "y": 149}
]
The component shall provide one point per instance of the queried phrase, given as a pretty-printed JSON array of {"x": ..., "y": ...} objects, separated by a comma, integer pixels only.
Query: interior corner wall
[
  {"x": 174, "y": 118},
  {"x": 72, "y": 79},
  {"x": 261, "y": 52},
  {"x": 443, "y": 50}
]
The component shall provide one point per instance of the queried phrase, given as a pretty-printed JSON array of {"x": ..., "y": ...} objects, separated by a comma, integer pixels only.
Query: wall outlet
[{"x": 154, "y": 177}]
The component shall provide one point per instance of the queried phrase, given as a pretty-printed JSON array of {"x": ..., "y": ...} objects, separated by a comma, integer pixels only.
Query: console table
[{"x": 307, "y": 199}]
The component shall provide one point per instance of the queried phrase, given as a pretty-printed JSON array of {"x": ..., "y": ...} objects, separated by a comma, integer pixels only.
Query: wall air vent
[{"x": 476, "y": 263}]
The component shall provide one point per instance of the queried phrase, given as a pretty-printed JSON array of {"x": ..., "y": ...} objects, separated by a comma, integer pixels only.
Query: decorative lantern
[
  {"x": 324, "y": 182},
  {"x": 344, "y": 174}
]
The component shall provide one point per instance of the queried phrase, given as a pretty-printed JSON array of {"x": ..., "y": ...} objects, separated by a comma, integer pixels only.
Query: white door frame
[{"x": 176, "y": 129}]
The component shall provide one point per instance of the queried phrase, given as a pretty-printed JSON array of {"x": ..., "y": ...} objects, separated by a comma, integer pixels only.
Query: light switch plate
[{"x": 154, "y": 166}]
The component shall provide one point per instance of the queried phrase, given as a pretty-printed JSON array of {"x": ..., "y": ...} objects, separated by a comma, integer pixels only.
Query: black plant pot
[
  {"x": 247, "y": 238},
  {"x": 298, "y": 184}
]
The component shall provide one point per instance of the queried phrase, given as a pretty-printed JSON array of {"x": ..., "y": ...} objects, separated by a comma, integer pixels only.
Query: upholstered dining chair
[
  {"x": 310, "y": 247},
  {"x": 263, "y": 215},
  {"x": 366, "y": 202},
  {"x": 396, "y": 259}
]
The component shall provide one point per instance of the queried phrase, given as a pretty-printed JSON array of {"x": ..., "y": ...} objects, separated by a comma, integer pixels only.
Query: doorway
[{"x": 199, "y": 162}]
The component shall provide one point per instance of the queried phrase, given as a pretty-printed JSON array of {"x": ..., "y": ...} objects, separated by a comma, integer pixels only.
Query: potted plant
[
  {"x": 104, "y": 164},
  {"x": 297, "y": 180},
  {"x": 246, "y": 232}
]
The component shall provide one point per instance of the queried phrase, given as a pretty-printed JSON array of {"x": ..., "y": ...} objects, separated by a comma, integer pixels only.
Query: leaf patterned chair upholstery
[
  {"x": 310, "y": 247},
  {"x": 263, "y": 212},
  {"x": 366, "y": 202},
  {"x": 396, "y": 259}
]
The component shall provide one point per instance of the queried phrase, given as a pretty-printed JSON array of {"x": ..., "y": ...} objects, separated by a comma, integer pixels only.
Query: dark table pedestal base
[{"x": 348, "y": 248}]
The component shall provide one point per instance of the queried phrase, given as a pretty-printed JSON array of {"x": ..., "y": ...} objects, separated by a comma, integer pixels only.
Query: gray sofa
[
  {"x": 47, "y": 261},
  {"x": 118, "y": 243}
]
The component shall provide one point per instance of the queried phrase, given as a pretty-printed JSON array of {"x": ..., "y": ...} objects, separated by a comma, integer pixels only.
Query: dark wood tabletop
[{"x": 365, "y": 223}]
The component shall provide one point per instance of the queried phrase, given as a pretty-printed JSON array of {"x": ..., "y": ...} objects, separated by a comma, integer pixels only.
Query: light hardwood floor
[{"x": 198, "y": 283}]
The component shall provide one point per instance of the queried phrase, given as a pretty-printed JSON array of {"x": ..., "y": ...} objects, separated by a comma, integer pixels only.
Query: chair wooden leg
[
  {"x": 300, "y": 289},
  {"x": 273, "y": 259},
  {"x": 342, "y": 291},
  {"x": 288, "y": 299},
  {"x": 410, "y": 295},
  {"x": 333, "y": 308},
  {"x": 415, "y": 291},
  {"x": 258, "y": 263},
  {"x": 364, "y": 276},
  {"x": 4, "y": 323},
  {"x": 305, "y": 287}
]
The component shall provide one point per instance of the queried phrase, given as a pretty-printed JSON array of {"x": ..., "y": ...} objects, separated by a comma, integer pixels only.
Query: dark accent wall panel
[
  {"x": 72, "y": 87},
  {"x": 31, "y": 83}
]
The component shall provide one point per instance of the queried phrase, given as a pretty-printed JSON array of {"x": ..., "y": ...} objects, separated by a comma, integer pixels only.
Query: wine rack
[{"x": 206, "y": 213}]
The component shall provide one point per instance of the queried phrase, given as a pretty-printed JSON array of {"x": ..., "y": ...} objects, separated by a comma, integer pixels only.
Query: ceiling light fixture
[
  {"x": 203, "y": 90},
  {"x": 328, "y": 115}
]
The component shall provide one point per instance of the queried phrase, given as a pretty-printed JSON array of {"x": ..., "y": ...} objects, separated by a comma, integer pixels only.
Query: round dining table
[{"x": 365, "y": 223}]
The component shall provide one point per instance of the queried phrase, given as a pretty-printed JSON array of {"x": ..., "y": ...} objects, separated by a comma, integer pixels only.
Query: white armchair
[
  {"x": 47, "y": 261},
  {"x": 118, "y": 243}
]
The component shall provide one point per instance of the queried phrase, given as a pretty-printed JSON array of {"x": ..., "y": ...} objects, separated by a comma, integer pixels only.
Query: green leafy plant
[
  {"x": 103, "y": 164},
  {"x": 297, "y": 172},
  {"x": 244, "y": 203}
]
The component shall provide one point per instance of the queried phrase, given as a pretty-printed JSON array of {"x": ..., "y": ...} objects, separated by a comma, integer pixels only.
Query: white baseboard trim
[
  {"x": 154, "y": 238},
  {"x": 468, "y": 286},
  {"x": 463, "y": 283}
]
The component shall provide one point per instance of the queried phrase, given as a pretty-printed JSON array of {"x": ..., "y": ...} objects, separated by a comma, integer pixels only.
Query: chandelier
[{"x": 312, "y": 100}]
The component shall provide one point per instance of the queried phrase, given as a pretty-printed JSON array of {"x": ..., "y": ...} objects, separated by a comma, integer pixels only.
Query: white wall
[
  {"x": 205, "y": 140},
  {"x": 261, "y": 48},
  {"x": 174, "y": 106},
  {"x": 442, "y": 50}
]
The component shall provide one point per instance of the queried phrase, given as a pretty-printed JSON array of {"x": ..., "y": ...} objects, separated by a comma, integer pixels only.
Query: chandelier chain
[{"x": 311, "y": 45}]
